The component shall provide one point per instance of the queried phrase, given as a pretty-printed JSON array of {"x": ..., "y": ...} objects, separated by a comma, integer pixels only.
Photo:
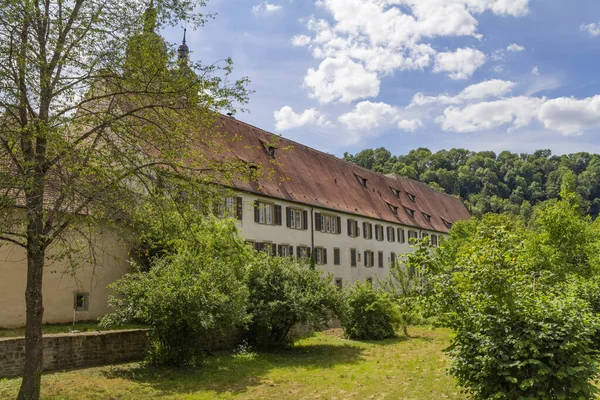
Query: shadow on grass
[
  {"x": 395, "y": 340},
  {"x": 230, "y": 373}
]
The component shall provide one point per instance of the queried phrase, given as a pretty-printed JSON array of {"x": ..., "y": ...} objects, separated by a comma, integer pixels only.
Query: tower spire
[{"x": 183, "y": 49}]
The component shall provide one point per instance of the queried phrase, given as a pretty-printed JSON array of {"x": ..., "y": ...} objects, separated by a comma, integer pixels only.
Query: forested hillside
[{"x": 490, "y": 182}]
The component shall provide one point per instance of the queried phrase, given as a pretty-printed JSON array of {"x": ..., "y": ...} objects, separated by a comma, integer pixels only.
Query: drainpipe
[{"x": 312, "y": 237}]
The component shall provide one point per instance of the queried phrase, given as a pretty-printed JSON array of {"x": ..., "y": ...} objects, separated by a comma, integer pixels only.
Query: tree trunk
[
  {"x": 32, "y": 374},
  {"x": 36, "y": 252}
]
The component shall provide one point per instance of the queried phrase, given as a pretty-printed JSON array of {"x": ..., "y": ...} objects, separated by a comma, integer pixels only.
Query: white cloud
[
  {"x": 460, "y": 64},
  {"x": 301, "y": 40},
  {"x": 570, "y": 116},
  {"x": 515, "y": 48},
  {"x": 592, "y": 29},
  {"x": 385, "y": 36},
  {"x": 368, "y": 116},
  {"x": 341, "y": 79},
  {"x": 516, "y": 112},
  {"x": 535, "y": 71},
  {"x": 479, "y": 91},
  {"x": 410, "y": 125},
  {"x": 286, "y": 119},
  {"x": 265, "y": 8}
]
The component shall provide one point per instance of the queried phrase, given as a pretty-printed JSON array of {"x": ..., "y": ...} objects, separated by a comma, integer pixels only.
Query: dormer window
[
  {"x": 361, "y": 180},
  {"x": 270, "y": 149},
  {"x": 410, "y": 212},
  {"x": 396, "y": 192},
  {"x": 253, "y": 171},
  {"x": 447, "y": 223},
  {"x": 393, "y": 208},
  {"x": 411, "y": 197},
  {"x": 427, "y": 217}
]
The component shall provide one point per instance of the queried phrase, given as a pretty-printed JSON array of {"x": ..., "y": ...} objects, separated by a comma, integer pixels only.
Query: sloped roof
[{"x": 301, "y": 174}]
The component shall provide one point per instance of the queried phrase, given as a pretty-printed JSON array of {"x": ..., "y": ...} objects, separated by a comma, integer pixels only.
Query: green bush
[
  {"x": 283, "y": 294},
  {"x": 191, "y": 297},
  {"x": 523, "y": 310},
  {"x": 538, "y": 347},
  {"x": 370, "y": 313}
]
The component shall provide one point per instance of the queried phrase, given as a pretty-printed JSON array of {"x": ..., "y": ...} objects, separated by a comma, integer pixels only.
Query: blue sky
[{"x": 343, "y": 75}]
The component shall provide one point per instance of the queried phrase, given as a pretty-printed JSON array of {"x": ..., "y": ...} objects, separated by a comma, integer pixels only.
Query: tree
[
  {"x": 192, "y": 296},
  {"x": 370, "y": 313},
  {"x": 89, "y": 112},
  {"x": 522, "y": 302},
  {"x": 283, "y": 294},
  {"x": 477, "y": 177}
]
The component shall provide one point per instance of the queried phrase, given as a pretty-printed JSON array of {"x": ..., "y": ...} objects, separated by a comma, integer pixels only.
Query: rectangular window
[
  {"x": 353, "y": 257},
  {"x": 392, "y": 258},
  {"x": 369, "y": 258},
  {"x": 338, "y": 283},
  {"x": 82, "y": 301},
  {"x": 353, "y": 230},
  {"x": 336, "y": 256},
  {"x": 379, "y": 233},
  {"x": 327, "y": 223},
  {"x": 263, "y": 213},
  {"x": 369, "y": 281},
  {"x": 434, "y": 240},
  {"x": 368, "y": 230},
  {"x": 230, "y": 207},
  {"x": 412, "y": 235},
  {"x": 294, "y": 218},
  {"x": 303, "y": 252},
  {"x": 401, "y": 238},
  {"x": 380, "y": 259},
  {"x": 320, "y": 256},
  {"x": 283, "y": 251},
  {"x": 391, "y": 234}
]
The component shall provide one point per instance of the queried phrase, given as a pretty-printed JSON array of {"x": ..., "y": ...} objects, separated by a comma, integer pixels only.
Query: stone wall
[{"x": 76, "y": 350}]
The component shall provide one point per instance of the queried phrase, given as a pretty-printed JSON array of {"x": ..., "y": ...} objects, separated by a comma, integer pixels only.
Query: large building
[{"x": 352, "y": 221}]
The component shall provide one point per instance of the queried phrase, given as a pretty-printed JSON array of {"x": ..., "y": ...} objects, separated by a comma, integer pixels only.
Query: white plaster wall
[
  {"x": 253, "y": 231},
  {"x": 61, "y": 283}
]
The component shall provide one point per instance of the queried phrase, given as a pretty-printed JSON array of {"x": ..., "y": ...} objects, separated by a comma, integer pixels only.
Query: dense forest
[{"x": 490, "y": 182}]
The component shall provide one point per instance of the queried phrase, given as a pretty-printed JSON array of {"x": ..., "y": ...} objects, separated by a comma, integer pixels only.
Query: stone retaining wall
[{"x": 76, "y": 350}]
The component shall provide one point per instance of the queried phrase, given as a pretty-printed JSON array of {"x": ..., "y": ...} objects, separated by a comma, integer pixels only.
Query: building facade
[
  {"x": 296, "y": 201},
  {"x": 352, "y": 221}
]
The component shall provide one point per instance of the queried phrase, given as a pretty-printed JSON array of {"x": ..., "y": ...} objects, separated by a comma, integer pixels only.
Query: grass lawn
[
  {"x": 324, "y": 366},
  {"x": 90, "y": 326}
]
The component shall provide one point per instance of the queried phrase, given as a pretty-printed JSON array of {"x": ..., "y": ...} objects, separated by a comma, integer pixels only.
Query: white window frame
[
  {"x": 296, "y": 219},
  {"x": 265, "y": 213}
]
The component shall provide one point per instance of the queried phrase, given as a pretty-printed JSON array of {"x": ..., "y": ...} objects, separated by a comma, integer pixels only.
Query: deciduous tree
[{"x": 92, "y": 104}]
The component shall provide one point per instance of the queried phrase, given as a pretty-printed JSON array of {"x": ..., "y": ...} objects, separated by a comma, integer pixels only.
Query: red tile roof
[{"x": 301, "y": 174}]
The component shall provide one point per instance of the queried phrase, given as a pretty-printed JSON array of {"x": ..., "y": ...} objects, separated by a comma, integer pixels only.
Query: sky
[{"x": 345, "y": 75}]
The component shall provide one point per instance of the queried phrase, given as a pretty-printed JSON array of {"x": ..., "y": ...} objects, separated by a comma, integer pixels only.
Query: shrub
[
  {"x": 370, "y": 313},
  {"x": 283, "y": 294},
  {"x": 537, "y": 348},
  {"x": 191, "y": 297},
  {"x": 520, "y": 331}
]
